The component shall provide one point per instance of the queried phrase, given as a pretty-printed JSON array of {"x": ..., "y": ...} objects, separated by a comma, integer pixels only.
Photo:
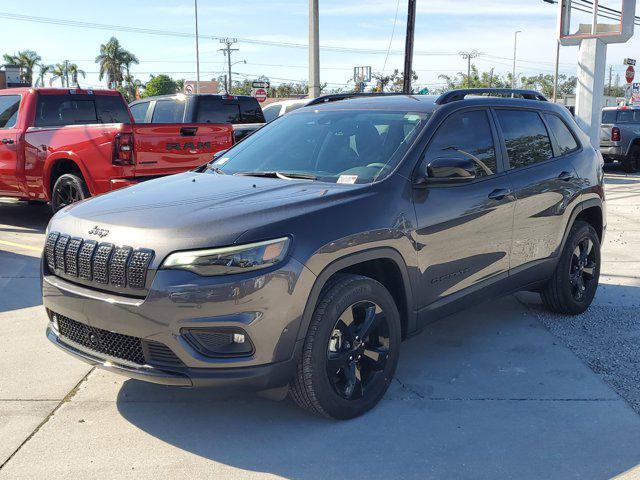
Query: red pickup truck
[{"x": 63, "y": 145}]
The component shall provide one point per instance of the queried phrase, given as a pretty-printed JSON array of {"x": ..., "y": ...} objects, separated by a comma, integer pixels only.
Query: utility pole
[
  {"x": 610, "y": 72},
  {"x": 515, "y": 49},
  {"x": 197, "y": 50},
  {"x": 227, "y": 51},
  {"x": 314, "y": 49},
  {"x": 555, "y": 76},
  {"x": 408, "y": 46},
  {"x": 468, "y": 56}
]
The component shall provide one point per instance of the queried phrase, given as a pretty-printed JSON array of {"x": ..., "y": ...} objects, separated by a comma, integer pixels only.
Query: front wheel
[
  {"x": 574, "y": 283},
  {"x": 351, "y": 350},
  {"x": 631, "y": 163},
  {"x": 69, "y": 188}
]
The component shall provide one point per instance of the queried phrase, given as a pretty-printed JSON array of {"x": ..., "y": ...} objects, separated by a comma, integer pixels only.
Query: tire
[
  {"x": 631, "y": 163},
  {"x": 68, "y": 188},
  {"x": 329, "y": 359},
  {"x": 573, "y": 285}
]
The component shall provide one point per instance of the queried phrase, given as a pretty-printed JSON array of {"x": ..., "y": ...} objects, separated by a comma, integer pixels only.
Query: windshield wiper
[{"x": 281, "y": 175}]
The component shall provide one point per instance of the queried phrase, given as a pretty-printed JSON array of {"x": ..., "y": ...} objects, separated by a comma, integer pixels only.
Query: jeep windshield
[{"x": 338, "y": 146}]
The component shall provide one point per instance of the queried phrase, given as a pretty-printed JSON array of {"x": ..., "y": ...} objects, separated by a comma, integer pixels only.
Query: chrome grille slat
[
  {"x": 71, "y": 257},
  {"x": 86, "y": 259},
  {"x": 60, "y": 250},
  {"x": 118, "y": 266},
  {"x": 101, "y": 263}
]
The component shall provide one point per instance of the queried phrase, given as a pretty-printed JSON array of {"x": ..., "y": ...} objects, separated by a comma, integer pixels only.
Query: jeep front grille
[{"x": 102, "y": 263}]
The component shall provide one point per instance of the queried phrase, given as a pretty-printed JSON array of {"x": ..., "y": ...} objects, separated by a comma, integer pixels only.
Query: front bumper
[
  {"x": 261, "y": 377},
  {"x": 267, "y": 306}
]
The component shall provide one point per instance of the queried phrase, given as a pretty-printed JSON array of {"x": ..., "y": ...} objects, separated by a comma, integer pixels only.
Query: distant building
[{"x": 10, "y": 77}]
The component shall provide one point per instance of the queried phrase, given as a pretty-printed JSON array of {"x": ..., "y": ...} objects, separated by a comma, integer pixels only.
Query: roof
[
  {"x": 187, "y": 96},
  {"x": 416, "y": 103},
  {"x": 56, "y": 91}
]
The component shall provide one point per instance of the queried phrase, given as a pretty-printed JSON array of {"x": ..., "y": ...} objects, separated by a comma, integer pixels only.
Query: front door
[
  {"x": 9, "y": 106},
  {"x": 544, "y": 181},
  {"x": 464, "y": 230}
]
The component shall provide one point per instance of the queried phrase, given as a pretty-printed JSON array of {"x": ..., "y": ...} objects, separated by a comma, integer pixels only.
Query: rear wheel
[
  {"x": 351, "y": 350},
  {"x": 631, "y": 163},
  {"x": 574, "y": 283},
  {"x": 68, "y": 188}
]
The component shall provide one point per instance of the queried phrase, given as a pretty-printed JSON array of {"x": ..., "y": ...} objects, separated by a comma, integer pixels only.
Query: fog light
[
  {"x": 238, "y": 338},
  {"x": 219, "y": 341}
]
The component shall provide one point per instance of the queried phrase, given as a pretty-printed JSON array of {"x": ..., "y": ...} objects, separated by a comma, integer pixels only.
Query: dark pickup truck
[{"x": 243, "y": 112}]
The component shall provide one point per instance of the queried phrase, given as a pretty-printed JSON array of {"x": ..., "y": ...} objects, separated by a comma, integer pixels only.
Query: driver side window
[{"x": 465, "y": 135}]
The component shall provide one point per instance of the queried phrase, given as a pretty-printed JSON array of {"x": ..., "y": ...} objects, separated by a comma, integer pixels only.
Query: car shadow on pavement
[
  {"x": 488, "y": 393},
  {"x": 20, "y": 217},
  {"x": 19, "y": 281}
]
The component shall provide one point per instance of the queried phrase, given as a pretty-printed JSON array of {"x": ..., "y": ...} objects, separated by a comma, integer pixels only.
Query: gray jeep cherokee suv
[{"x": 304, "y": 255}]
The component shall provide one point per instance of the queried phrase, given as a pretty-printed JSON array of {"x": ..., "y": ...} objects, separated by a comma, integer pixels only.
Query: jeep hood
[{"x": 196, "y": 210}]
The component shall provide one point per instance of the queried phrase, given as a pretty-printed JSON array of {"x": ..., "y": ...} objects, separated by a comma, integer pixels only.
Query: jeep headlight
[{"x": 230, "y": 260}]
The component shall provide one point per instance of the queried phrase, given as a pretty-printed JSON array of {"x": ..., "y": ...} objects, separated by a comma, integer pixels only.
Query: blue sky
[{"x": 443, "y": 29}]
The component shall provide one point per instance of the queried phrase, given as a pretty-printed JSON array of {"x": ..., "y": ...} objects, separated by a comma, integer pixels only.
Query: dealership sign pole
[{"x": 592, "y": 39}]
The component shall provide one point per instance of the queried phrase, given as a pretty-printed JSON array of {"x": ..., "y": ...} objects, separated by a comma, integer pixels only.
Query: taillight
[
  {"x": 615, "y": 134},
  {"x": 123, "y": 149}
]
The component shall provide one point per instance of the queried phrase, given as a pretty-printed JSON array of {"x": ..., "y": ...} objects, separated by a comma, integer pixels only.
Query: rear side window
[
  {"x": 608, "y": 116},
  {"x": 628, "y": 116},
  {"x": 168, "y": 111},
  {"x": 60, "y": 110},
  {"x": 566, "y": 141},
  {"x": 9, "y": 105},
  {"x": 525, "y": 136},
  {"x": 139, "y": 111},
  {"x": 466, "y": 135},
  {"x": 250, "y": 111},
  {"x": 217, "y": 110}
]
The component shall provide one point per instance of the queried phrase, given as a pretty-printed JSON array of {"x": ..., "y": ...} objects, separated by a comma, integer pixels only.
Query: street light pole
[
  {"x": 515, "y": 49},
  {"x": 555, "y": 75},
  {"x": 197, "y": 50},
  {"x": 314, "y": 50}
]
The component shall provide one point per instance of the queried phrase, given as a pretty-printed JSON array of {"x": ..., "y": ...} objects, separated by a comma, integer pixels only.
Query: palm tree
[
  {"x": 74, "y": 70},
  {"x": 65, "y": 70},
  {"x": 44, "y": 70},
  {"x": 113, "y": 59},
  {"x": 59, "y": 71},
  {"x": 27, "y": 61}
]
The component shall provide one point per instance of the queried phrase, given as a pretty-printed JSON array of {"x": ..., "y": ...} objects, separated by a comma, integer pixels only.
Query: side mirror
[{"x": 447, "y": 170}]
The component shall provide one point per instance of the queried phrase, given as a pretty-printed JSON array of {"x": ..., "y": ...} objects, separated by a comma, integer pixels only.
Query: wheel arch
[
  {"x": 384, "y": 265},
  {"x": 59, "y": 165},
  {"x": 590, "y": 211}
]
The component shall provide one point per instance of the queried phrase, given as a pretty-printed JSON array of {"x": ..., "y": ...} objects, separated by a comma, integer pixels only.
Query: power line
[{"x": 393, "y": 31}]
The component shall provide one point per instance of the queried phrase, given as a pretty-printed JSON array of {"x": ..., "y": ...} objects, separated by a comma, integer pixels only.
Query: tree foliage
[
  {"x": 393, "y": 82},
  {"x": 27, "y": 61},
  {"x": 115, "y": 62},
  {"x": 66, "y": 72},
  {"x": 160, "y": 85}
]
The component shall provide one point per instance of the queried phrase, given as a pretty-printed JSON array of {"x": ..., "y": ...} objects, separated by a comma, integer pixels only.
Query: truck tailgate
[{"x": 163, "y": 149}]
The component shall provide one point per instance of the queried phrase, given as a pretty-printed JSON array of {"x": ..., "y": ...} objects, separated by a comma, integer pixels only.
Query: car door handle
[
  {"x": 7, "y": 141},
  {"x": 566, "y": 176},
  {"x": 499, "y": 193}
]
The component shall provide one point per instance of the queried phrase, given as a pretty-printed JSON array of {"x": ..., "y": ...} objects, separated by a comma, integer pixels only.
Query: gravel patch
[{"x": 607, "y": 339}]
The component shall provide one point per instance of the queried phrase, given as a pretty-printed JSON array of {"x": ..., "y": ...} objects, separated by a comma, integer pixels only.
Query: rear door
[
  {"x": 543, "y": 178},
  {"x": 9, "y": 107},
  {"x": 464, "y": 230}
]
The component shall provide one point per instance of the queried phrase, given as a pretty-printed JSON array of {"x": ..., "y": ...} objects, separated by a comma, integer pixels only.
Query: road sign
[
  {"x": 630, "y": 74},
  {"x": 260, "y": 94},
  {"x": 635, "y": 94},
  {"x": 361, "y": 74},
  {"x": 629, "y": 61},
  {"x": 260, "y": 84}
]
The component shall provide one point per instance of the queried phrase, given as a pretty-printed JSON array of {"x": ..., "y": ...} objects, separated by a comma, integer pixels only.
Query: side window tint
[
  {"x": 271, "y": 112},
  {"x": 564, "y": 137},
  {"x": 466, "y": 135},
  {"x": 168, "y": 111},
  {"x": 9, "y": 105},
  {"x": 608, "y": 116},
  {"x": 139, "y": 111},
  {"x": 525, "y": 136},
  {"x": 213, "y": 109}
]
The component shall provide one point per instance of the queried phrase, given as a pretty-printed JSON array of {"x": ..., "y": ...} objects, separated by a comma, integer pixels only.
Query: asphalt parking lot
[{"x": 501, "y": 391}]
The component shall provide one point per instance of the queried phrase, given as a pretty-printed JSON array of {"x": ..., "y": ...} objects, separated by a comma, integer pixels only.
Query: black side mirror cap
[{"x": 447, "y": 170}]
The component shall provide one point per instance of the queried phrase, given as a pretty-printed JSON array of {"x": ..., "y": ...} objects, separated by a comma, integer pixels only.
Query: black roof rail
[
  {"x": 455, "y": 95},
  {"x": 335, "y": 97}
]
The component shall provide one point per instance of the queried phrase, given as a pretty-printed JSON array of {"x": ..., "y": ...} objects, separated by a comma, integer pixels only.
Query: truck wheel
[
  {"x": 631, "y": 163},
  {"x": 69, "y": 188},
  {"x": 351, "y": 350},
  {"x": 573, "y": 285}
]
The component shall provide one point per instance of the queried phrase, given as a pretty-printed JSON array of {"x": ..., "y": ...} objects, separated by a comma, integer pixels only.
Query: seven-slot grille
[
  {"x": 102, "y": 263},
  {"x": 125, "y": 347}
]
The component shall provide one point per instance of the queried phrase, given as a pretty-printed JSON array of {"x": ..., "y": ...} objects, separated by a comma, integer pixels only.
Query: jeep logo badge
[{"x": 100, "y": 232}]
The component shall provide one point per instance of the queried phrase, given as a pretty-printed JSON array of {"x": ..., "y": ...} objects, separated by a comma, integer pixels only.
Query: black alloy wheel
[
  {"x": 582, "y": 270},
  {"x": 68, "y": 189},
  {"x": 358, "y": 350}
]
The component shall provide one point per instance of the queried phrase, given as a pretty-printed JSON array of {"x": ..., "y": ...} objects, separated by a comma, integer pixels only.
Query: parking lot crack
[{"x": 66, "y": 399}]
